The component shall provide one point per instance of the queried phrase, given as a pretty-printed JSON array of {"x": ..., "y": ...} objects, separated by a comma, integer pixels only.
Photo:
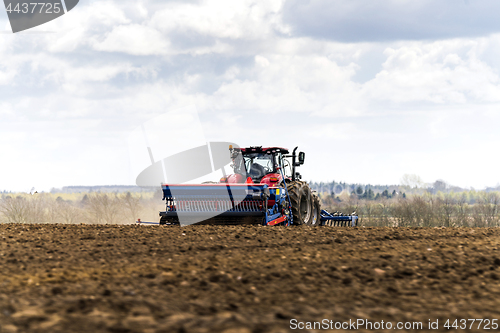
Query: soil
[{"x": 246, "y": 279}]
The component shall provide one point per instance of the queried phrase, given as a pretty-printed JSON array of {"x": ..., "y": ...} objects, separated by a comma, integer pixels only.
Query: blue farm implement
[
  {"x": 224, "y": 204},
  {"x": 338, "y": 220},
  {"x": 264, "y": 189}
]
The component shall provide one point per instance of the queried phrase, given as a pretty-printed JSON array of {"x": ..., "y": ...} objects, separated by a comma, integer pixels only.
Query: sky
[{"x": 370, "y": 90}]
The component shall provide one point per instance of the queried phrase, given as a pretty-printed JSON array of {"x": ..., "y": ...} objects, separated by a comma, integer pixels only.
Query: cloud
[
  {"x": 134, "y": 39},
  {"x": 257, "y": 79},
  {"x": 6, "y": 76},
  {"x": 447, "y": 72},
  {"x": 390, "y": 20},
  {"x": 278, "y": 83},
  {"x": 247, "y": 19}
]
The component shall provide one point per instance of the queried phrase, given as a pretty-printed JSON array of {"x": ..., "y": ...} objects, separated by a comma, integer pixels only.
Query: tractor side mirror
[{"x": 302, "y": 157}]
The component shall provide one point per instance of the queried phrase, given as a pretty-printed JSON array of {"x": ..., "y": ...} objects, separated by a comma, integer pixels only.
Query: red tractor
[
  {"x": 264, "y": 188},
  {"x": 271, "y": 166}
]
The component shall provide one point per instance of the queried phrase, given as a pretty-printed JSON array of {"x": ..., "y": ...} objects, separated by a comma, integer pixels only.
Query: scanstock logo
[{"x": 24, "y": 14}]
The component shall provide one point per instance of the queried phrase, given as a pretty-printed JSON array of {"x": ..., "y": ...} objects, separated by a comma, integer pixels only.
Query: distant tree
[
  {"x": 440, "y": 185},
  {"x": 85, "y": 199},
  {"x": 133, "y": 204},
  {"x": 103, "y": 208},
  {"x": 368, "y": 194},
  {"x": 448, "y": 207},
  {"x": 359, "y": 190},
  {"x": 412, "y": 181}
]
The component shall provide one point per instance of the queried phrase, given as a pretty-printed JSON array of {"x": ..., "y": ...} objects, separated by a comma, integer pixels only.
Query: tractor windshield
[{"x": 259, "y": 164}]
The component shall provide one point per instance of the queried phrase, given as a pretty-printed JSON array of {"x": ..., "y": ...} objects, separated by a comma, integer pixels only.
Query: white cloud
[
  {"x": 247, "y": 19},
  {"x": 279, "y": 83},
  {"x": 437, "y": 72},
  {"x": 6, "y": 76},
  {"x": 134, "y": 39},
  {"x": 80, "y": 27}
]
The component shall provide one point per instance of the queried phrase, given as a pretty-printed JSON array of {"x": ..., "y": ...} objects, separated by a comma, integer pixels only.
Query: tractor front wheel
[{"x": 316, "y": 210}]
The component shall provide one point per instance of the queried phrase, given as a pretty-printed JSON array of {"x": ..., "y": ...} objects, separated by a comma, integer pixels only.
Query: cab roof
[{"x": 259, "y": 149}]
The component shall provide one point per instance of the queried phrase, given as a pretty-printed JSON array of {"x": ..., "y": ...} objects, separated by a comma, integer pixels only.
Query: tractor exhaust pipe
[{"x": 293, "y": 163}]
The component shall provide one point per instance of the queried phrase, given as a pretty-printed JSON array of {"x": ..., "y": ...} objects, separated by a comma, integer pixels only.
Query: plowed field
[{"x": 88, "y": 278}]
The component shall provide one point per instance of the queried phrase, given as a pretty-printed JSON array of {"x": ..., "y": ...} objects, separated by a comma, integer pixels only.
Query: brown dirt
[{"x": 88, "y": 278}]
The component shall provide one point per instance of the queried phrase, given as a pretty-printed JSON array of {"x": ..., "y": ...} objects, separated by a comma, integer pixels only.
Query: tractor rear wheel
[
  {"x": 316, "y": 210},
  {"x": 301, "y": 199}
]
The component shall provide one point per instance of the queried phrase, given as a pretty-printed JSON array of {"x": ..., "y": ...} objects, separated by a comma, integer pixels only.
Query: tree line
[
  {"x": 452, "y": 209},
  {"x": 463, "y": 209},
  {"x": 92, "y": 208}
]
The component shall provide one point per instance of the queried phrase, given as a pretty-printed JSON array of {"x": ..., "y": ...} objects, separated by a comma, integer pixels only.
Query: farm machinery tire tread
[
  {"x": 316, "y": 210},
  {"x": 301, "y": 200},
  {"x": 169, "y": 221}
]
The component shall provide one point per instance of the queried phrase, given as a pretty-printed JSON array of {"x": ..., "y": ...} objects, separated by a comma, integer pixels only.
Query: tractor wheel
[
  {"x": 301, "y": 199},
  {"x": 169, "y": 221},
  {"x": 316, "y": 210}
]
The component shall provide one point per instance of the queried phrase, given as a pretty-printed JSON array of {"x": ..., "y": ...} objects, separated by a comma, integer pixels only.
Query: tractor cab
[{"x": 258, "y": 165}]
